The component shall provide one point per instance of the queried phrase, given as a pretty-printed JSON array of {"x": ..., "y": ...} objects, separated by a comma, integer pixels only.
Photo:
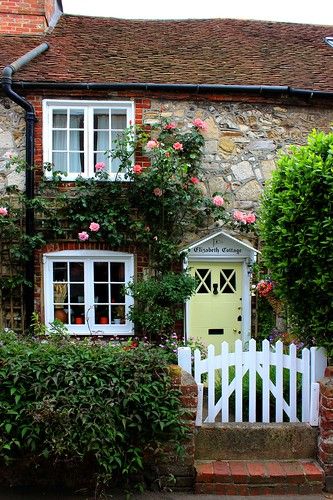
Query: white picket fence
[{"x": 310, "y": 363}]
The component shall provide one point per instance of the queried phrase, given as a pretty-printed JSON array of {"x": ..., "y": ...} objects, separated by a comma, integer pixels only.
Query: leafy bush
[
  {"x": 66, "y": 400},
  {"x": 297, "y": 229},
  {"x": 158, "y": 303}
]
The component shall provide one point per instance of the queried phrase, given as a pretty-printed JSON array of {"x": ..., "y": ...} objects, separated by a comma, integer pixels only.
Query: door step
[{"x": 258, "y": 477}]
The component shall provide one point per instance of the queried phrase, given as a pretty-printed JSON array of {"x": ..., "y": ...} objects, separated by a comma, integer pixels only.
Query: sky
[{"x": 296, "y": 11}]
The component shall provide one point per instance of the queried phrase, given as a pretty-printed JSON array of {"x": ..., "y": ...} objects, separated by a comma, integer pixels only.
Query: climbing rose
[
  {"x": 137, "y": 169},
  {"x": 3, "y": 211},
  {"x": 94, "y": 226},
  {"x": 198, "y": 123},
  {"x": 240, "y": 216},
  {"x": 250, "y": 218},
  {"x": 170, "y": 126},
  {"x": 83, "y": 236},
  {"x": 194, "y": 180},
  {"x": 218, "y": 201},
  {"x": 152, "y": 144},
  {"x": 158, "y": 192},
  {"x": 177, "y": 146},
  {"x": 100, "y": 166}
]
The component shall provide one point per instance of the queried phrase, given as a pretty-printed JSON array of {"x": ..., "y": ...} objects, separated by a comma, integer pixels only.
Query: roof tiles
[{"x": 211, "y": 51}]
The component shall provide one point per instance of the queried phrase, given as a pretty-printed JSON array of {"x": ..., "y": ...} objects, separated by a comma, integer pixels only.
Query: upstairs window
[{"x": 77, "y": 134}]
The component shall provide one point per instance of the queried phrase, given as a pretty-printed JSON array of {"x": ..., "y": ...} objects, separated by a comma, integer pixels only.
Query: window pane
[
  {"x": 102, "y": 316},
  {"x": 115, "y": 165},
  {"x": 101, "y": 271},
  {"x": 117, "y": 293},
  {"x": 59, "y": 138},
  {"x": 101, "y": 118},
  {"x": 76, "y": 118},
  {"x": 118, "y": 119},
  {"x": 60, "y": 118},
  {"x": 101, "y": 141},
  {"x": 117, "y": 271},
  {"x": 77, "y": 316},
  {"x": 76, "y": 271},
  {"x": 76, "y": 163},
  {"x": 117, "y": 314},
  {"x": 59, "y": 161},
  {"x": 116, "y": 137},
  {"x": 60, "y": 291},
  {"x": 101, "y": 157},
  {"x": 76, "y": 140},
  {"x": 77, "y": 293},
  {"x": 61, "y": 314},
  {"x": 101, "y": 293},
  {"x": 60, "y": 271}
]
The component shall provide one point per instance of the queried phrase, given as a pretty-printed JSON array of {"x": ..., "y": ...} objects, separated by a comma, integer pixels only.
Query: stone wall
[
  {"x": 12, "y": 140},
  {"x": 242, "y": 140}
]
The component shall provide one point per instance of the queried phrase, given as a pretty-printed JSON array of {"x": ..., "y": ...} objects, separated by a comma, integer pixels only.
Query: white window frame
[
  {"x": 87, "y": 256},
  {"x": 49, "y": 105}
]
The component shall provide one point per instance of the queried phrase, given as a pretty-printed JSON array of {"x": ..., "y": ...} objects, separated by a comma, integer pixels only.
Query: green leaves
[
  {"x": 297, "y": 227},
  {"x": 81, "y": 401}
]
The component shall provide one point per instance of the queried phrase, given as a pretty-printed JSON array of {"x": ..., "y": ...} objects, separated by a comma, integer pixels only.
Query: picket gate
[{"x": 309, "y": 363}]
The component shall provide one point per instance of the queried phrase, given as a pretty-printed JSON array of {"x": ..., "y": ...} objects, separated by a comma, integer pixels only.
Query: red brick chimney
[{"x": 28, "y": 16}]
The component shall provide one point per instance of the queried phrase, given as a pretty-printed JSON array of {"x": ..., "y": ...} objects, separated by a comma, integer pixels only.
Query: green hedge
[
  {"x": 66, "y": 400},
  {"x": 296, "y": 226}
]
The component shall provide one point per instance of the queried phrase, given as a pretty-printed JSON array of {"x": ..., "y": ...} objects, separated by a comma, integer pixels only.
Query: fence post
[
  {"x": 318, "y": 363},
  {"x": 184, "y": 358}
]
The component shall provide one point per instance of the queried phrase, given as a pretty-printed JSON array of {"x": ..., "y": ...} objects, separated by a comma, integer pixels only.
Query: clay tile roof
[{"x": 212, "y": 51}]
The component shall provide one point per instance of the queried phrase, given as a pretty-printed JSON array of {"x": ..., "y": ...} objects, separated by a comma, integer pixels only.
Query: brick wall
[
  {"x": 25, "y": 16},
  {"x": 325, "y": 442}
]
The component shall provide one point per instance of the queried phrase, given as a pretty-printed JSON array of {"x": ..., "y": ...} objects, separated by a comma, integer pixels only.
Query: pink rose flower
[
  {"x": 170, "y": 126},
  {"x": 167, "y": 154},
  {"x": 177, "y": 146},
  {"x": 250, "y": 218},
  {"x": 3, "y": 211},
  {"x": 100, "y": 166},
  {"x": 137, "y": 169},
  {"x": 198, "y": 123},
  {"x": 94, "y": 226},
  {"x": 83, "y": 236},
  {"x": 152, "y": 144},
  {"x": 239, "y": 216},
  {"x": 218, "y": 200},
  {"x": 158, "y": 192},
  {"x": 194, "y": 180}
]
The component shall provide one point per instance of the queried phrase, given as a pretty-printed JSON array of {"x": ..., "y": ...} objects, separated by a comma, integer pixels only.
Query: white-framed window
[
  {"x": 85, "y": 290},
  {"x": 77, "y": 134}
]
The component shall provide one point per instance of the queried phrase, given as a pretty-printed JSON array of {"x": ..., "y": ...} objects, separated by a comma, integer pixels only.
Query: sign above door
[{"x": 221, "y": 245}]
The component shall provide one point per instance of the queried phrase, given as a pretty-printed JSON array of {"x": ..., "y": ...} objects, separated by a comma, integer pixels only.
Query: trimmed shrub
[
  {"x": 62, "y": 400},
  {"x": 297, "y": 229}
]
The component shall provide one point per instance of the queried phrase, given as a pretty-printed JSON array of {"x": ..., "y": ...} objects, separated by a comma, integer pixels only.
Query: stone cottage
[{"x": 259, "y": 86}]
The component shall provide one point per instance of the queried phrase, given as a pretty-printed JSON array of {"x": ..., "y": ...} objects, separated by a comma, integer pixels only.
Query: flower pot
[
  {"x": 78, "y": 320},
  {"x": 103, "y": 320},
  {"x": 61, "y": 315}
]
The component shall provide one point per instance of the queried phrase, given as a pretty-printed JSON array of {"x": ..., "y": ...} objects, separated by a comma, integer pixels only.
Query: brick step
[{"x": 258, "y": 477}]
